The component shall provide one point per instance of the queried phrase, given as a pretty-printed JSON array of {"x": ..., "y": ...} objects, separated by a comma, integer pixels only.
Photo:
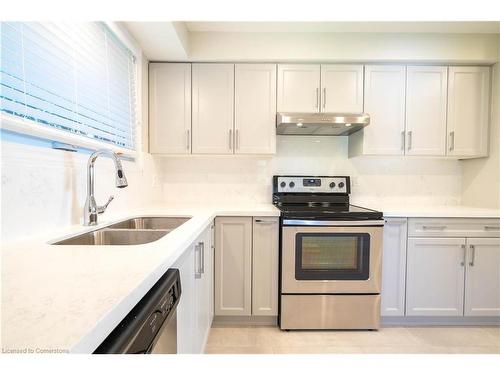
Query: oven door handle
[{"x": 330, "y": 223}]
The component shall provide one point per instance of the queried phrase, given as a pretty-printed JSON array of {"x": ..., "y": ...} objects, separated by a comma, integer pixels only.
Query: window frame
[{"x": 34, "y": 129}]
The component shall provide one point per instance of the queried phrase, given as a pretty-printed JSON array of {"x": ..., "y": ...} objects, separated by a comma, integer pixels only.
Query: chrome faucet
[{"x": 91, "y": 209}]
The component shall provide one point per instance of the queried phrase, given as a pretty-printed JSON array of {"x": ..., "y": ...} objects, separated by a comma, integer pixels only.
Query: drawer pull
[
  {"x": 433, "y": 227},
  {"x": 491, "y": 227},
  {"x": 264, "y": 221}
]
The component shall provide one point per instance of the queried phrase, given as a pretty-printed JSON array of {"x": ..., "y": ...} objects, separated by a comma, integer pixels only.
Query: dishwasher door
[
  {"x": 151, "y": 326},
  {"x": 167, "y": 342}
]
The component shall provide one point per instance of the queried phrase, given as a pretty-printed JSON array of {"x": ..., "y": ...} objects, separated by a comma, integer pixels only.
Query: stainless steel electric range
[{"x": 330, "y": 255}]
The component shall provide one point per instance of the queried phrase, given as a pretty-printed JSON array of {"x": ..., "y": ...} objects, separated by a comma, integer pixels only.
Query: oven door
[{"x": 331, "y": 257}]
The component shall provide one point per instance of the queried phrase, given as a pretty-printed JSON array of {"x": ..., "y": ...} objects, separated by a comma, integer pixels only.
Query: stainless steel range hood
[{"x": 320, "y": 123}]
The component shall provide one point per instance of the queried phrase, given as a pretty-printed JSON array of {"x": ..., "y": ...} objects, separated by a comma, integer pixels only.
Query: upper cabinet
[
  {"x": 320, "y": 88},
  {"x": 213, "y": 100},
  {"x": 426, "y": 93},
  {"x": 298, "y": 88},
  {"x": 468, "y": 111},
  {"x": 170, "y": 108},
  {"x": 385, "y": 103},
  {"x": 342, "y": 88},
  {"x": 255, "y": 109}
]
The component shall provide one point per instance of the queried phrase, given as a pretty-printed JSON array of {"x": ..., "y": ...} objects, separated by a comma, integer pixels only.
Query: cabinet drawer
[{"x": 450, "y": 227}]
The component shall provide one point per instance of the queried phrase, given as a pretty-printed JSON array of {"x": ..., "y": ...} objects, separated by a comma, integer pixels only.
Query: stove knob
[
  {"x": 283, "y": 184},
  {"x": 341, "y": 185},
  {"x": 291, "y": 184},
  {"x": 332, "y": 184}
]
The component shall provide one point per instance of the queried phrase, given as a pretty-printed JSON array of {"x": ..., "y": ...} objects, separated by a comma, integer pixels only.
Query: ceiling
[{"x": 492, "y": 27}]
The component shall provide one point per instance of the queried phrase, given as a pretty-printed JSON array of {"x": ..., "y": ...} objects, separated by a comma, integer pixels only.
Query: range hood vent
[{"x": 320, "y": 123}]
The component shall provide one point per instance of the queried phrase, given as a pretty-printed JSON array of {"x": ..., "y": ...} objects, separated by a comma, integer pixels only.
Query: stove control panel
[{"x": 312, "y": 184}]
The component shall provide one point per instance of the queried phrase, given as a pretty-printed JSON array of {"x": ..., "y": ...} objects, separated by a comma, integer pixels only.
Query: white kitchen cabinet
[
  {"x": 170, "y": 108},
  {"x": 255, "y": 109},
  {"x": 468, "y": 110},
  {"x": 186, "y": 309},
  {"x": 482, "y": 278},
  {"x": 342, "y": 88},
  {"x": 194, "y": 312},
  {"x": 435, "y": 277},
  {"x": 265, "y": 266},
  {"x": 394, "y": 267},
  {"x": 426, "y": 94},
  {"x": 233, "y": 266},
  {"x": 298, "y": 88},
  {"x": 384, "y": 92},
  {"x": 213, "y": 108}
]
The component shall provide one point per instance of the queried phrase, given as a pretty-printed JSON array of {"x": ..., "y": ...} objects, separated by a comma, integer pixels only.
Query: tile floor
[{"x": 409, "y": 340}]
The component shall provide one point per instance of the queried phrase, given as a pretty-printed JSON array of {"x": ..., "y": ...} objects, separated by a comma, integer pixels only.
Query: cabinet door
[
  {"x": 298, "y": 88},
  {"x": 426, "y": 93},
  {"x": 394, "y": 268},
  {"x": 342, "y": 88},
  {"x": 265, "y": 266},
  {"x": 482, "y": 279},
  {"x": 170, "y": 108},
  {"x": 385, "y": 102},
  {"x": 204, "y": 291},
  {"x": 233, "y": 265},
  {"x": 435, "y": 277},
  {"x": 468, "y": 110},
  {"x": 255, "y": 109},
  {"x": 186, "y": 309},
  {"x": 213, "y": 95}
]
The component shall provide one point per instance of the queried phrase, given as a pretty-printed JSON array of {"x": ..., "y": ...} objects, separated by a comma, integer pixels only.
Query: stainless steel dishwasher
[{"x": 151, "y": 326}]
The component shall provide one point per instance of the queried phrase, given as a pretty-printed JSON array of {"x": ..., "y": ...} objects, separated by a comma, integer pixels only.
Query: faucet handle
[{"x": 101, "y": 209}]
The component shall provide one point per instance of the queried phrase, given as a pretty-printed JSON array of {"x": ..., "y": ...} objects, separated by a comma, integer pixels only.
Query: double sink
[{"x": 135, "y": 231}]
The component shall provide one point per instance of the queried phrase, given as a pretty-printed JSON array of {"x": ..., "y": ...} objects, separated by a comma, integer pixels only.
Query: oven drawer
[
  {"x": 330, "y": 311},
  {"x": 451, "y": 227}
]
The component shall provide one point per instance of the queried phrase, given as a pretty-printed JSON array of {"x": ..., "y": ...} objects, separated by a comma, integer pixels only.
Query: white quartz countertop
[
  {"x": 406, "y": 209},
  {"x": 69, "y": 298}
]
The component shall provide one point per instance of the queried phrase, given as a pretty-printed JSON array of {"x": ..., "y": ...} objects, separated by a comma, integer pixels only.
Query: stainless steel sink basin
[
  {"x": 163, "y": 223},
  {"x": 108, "y": 236}
]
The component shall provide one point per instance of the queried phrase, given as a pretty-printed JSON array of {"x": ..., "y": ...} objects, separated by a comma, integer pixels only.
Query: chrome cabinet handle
[
  {"x": 462, "y": 263},
  {"x": 202, "y": 256},
  {"x": 433, "y": 227},
  {"x": 230, "y": 139},
  {"x": 402, "y": 140},
  {"x": 197, "y": 269},
  {"x": 237, "y": 139},
  {"x": 324, "y": 97},
  {"x": 491, "y": 227},
  {"x": 188, "y": 140},
  {"x": 317, "y": 97},
  {"x": 409, "y": 140},
  {"x": 472, "y": 255},
  {"x": 452, "y": 140}
]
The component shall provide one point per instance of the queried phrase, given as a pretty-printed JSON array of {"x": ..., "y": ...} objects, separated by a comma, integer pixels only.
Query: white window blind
[{"x": 77, "y": 78}]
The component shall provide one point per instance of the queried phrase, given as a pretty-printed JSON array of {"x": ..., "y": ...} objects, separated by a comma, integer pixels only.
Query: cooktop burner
[{"x": 318, "y": 197}]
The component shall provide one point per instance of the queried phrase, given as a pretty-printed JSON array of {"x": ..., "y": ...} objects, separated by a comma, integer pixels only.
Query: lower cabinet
[
  {"x": 246, "y": 266},
  {"x": 435, "y": 277},
  {"x": 394, "y": 267},
  {"x": 195, "y": 309},
  {"x": 482, "y": 277}
]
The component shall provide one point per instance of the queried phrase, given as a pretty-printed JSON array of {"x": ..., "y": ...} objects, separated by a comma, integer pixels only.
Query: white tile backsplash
[{"x": 198, "y": 179}]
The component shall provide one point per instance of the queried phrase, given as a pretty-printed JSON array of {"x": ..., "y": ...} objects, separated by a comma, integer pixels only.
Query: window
[{"x": 78, "y": 78}]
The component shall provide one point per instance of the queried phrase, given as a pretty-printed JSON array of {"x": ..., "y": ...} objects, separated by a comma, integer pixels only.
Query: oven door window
[{"x": 332, "y": 256}]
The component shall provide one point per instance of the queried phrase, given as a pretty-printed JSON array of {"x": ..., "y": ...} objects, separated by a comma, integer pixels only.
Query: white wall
[
  {"x": 481, "y": 179},
  {"x": 239, "y": 178},
  {"x": 233, "y": 46}
]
